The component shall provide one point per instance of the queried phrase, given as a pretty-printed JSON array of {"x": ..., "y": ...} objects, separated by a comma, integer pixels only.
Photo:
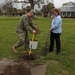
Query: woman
[{"x": 55, "y": 31}]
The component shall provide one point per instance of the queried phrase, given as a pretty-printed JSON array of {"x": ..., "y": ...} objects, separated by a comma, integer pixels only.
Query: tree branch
[
  {"x": 20, "y": 1},
  {"x": 36, "y": 2}
]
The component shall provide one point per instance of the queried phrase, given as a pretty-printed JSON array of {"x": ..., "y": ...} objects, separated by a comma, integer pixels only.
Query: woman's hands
[{"x": 50, "y": 29}]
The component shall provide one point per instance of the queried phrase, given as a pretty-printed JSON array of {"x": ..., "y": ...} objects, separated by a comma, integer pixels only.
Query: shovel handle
[
  {"x": 33, "y": 37},
  {"x": 30, "y": 51}
]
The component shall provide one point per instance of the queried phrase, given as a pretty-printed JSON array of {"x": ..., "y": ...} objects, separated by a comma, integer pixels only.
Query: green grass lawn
[{"x": 62, "y": 64}]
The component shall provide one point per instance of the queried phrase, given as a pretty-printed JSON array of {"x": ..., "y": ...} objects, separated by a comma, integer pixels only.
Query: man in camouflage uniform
[{"x": 23, "y": 27}]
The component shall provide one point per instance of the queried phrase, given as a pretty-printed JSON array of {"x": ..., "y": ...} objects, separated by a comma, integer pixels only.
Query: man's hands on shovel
[{"x": 34, "y": 31}]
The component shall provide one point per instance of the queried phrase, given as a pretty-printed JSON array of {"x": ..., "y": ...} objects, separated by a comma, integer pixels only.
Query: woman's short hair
[{"x": 56, "y": 10}]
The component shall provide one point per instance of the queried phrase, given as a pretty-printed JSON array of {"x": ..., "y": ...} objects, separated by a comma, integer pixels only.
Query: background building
[{"x": 68, "y": 10}]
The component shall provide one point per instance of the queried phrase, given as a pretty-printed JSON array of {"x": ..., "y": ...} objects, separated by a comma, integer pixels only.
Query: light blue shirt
[{"x": 56, "y": 24}]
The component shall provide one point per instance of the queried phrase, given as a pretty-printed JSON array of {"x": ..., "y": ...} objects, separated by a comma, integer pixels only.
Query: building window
[
  {"x": 68, "y": 14},
  {"x": 72, "y": 14},
  {"x": 64, "y": 13}
]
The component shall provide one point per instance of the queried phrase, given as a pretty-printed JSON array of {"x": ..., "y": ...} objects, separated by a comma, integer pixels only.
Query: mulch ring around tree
[{"x": 28, "y": 57}]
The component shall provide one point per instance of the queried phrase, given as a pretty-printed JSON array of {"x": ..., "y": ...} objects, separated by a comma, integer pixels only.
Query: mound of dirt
[
  {"x": 11, "y": 67},
  {"x": 6, "y": 62},
  {"x": 20, "y": 69}
]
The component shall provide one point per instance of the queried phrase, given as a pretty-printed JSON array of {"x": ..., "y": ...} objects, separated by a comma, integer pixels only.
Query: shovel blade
[{"x": 44, "y": 51}]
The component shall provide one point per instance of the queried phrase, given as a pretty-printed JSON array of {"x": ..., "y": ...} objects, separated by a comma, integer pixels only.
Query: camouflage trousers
[{"x": 23, "y": 39}]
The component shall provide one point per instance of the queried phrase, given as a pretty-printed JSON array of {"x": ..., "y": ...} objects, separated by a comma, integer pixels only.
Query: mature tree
[
  {"x": 7, "y": 7},
  {"x": 50, "y": 8},
  {"x": 32, "y": 2},
  {"x": 47, "y": 9},
  {"x": 15, "y": 12},
  {"x": 1, "y": 12}
]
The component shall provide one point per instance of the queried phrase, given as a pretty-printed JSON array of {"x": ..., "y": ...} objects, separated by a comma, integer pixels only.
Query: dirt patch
[
  {"x": 10, "y": 67},
  {"x": 19, "y": 69},
  {"x": 6, "y": 62}
]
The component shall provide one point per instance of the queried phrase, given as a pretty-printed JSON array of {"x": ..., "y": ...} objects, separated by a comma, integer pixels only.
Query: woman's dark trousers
[{"x": 56, "y": 37}]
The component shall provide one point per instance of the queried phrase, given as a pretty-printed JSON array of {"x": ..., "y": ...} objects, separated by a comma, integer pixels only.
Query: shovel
[
  {"x": 45, "y": 49},
  {"x": 30, "y": 51}
]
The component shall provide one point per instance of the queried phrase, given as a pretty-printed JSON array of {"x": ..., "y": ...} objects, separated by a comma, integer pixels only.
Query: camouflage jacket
[{"x": 25, "y": 24}]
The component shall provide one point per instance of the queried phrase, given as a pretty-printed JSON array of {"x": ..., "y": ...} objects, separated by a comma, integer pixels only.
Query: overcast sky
[{"x": 57, "y": 3}]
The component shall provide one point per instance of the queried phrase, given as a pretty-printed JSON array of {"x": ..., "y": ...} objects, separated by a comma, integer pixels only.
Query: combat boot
[{"x": 14, "y": 49}]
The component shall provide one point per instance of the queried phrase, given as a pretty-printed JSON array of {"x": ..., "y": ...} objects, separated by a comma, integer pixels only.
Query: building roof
[{"x": 68, "y": 7}]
